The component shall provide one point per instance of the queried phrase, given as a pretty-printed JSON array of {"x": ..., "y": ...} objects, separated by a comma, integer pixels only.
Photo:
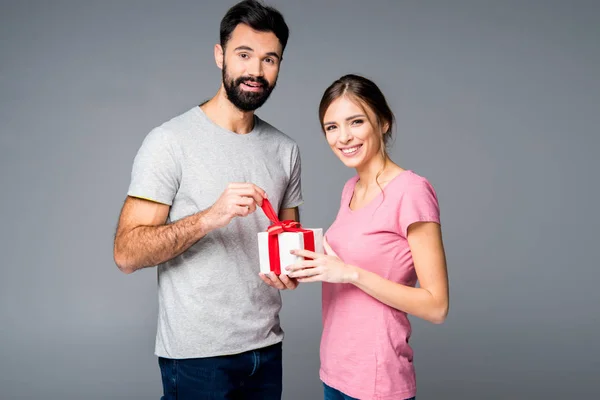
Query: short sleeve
[
  {"x": 293, "y": 194},
  {"x": 418, "y": 204},
  {"x": 156, "y": 173}
]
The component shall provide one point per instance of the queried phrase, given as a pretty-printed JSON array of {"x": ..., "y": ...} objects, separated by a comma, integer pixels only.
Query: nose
[
  {"x": 345, "y": 135},
  {"x": 255, "y": 67}
]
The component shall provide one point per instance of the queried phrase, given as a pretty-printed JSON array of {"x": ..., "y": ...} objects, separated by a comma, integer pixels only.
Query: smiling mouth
[
  {"x": 252, "y": 86},
  {"x": 348, "y": 151}
]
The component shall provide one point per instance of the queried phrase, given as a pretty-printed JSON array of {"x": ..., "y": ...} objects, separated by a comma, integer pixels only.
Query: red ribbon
[{"x": 278, "y": 227}]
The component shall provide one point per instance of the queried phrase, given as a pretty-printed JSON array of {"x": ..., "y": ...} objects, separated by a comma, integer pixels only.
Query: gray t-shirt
[{"x": 211, "y": 299}]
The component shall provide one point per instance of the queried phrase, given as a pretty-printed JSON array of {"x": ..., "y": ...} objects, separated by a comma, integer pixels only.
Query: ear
[
  {"x": 385, "y": 128},
  {"x": 219, "y": 55}
]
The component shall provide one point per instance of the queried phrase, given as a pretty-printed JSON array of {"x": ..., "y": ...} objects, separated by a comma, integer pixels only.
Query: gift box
[{"x": 275, "y": 244}]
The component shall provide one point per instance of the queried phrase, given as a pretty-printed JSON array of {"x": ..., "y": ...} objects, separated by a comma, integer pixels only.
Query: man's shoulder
[
  {"x": 181, "y": 121},
  {"x": 171, "y": 129}
]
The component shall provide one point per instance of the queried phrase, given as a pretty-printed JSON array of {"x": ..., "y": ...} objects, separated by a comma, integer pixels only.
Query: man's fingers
[
  {"x": 243, "y": 200},
  {"x": 281, "y": 282},
  {"x": 249, "y": 203},
  {"x": 243, "y": 185},
  {"x": 289, "y": 283},
  {"x": 249, "y": 190},
  {"x": 242, "y": 211},
  {"x": 276, "y": 281},
  {"x": 256, "y": 196},
  {"x": 266, "y": 279}
]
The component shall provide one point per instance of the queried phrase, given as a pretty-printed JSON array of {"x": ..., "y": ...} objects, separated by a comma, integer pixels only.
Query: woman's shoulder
[
  {"x": 410, "y": 186},
  {"x": 408, "y": 180},
  {"x": 349, "y": 184},
  {"x": 348, "y": 188}
]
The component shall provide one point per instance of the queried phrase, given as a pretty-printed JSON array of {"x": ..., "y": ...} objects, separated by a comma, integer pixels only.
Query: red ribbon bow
[{"x": 278, "y": 227}]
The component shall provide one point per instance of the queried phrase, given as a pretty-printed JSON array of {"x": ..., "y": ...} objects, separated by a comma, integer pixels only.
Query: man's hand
[
  {"x": 238, "y": 200},
  {"x": 280, "y": 282}
]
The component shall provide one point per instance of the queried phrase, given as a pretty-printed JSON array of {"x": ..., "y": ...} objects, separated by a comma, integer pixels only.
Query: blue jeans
[
  {"x": 334, "y": 394},
  {"x": 252, "y": 375}
]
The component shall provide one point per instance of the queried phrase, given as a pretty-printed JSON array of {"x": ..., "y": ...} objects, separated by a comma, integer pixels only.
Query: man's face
[{"x": 250, "y": 65}]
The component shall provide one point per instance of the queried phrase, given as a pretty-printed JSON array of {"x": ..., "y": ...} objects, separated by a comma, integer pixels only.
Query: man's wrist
[{"x": 205, "y": 222}]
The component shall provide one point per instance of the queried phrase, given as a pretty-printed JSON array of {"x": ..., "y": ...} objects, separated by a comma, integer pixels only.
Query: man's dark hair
[{"x": 257, "y": 16}]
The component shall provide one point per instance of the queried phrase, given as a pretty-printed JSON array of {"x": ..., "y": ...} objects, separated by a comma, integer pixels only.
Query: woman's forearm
[{"x": 415, "y": 301}]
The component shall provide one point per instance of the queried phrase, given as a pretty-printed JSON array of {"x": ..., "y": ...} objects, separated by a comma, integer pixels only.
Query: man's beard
[{"x": 243, "y": 99}]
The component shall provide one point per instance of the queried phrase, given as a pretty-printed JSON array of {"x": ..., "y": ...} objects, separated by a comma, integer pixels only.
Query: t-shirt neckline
[
  {"x": 374, "y": 199},
  {"x": 253, "y": 133}
]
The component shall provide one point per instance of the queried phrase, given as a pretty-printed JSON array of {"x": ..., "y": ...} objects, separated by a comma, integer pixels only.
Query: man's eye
[
  {"x": 270, "y": 60},
  {"x": 243, "y": 55}
]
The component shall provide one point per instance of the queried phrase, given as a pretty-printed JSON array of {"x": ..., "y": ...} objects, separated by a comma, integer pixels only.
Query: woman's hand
[{"x": 323, "y": 267}]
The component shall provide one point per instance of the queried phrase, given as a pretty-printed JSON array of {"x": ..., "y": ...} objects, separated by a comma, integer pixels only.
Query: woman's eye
[
  {"x": 329, "y": 128},
  {"x": 357, "y": 122}
]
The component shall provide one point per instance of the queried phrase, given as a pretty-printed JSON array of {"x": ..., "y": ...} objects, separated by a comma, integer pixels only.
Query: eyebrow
[
  {"x": 347, "y": 119},
  {"x": 246, "y": 48}
]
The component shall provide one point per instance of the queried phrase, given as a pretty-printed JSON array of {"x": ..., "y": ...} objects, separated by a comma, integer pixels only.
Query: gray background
[{"x": 498, "y": 104}]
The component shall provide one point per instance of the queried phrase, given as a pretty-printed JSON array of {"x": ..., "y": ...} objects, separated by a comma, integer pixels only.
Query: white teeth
[{"x": 350, "y": 150}]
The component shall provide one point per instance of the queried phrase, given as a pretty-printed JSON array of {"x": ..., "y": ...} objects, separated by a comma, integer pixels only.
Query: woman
[{"x": 386, "y": 237}]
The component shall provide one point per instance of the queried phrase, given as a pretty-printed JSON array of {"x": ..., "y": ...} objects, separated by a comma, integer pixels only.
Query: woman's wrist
[{"x": 352, "y": 274}]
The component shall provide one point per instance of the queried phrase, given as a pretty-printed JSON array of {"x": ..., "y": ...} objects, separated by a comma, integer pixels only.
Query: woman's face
[{"x": 352, "y": 132}]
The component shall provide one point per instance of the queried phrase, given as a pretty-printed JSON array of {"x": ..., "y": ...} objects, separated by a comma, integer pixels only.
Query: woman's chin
[{"x": 351, "y": 162}]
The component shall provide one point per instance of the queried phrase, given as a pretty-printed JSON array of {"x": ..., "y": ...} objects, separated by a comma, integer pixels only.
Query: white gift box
[{"x": 287, "y": 241}]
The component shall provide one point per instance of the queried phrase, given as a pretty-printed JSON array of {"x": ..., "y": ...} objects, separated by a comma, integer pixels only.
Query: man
[{"x": 192, "y": 209}]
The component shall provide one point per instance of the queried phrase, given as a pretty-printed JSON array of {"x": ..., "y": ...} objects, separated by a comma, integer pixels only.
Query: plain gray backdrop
[{"x": 498, "y": 104}]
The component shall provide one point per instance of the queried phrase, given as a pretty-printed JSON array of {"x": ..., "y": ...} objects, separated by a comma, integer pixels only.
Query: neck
[
  {"x": 223, "y": 113},
  {"x": 386, "y": 169}
]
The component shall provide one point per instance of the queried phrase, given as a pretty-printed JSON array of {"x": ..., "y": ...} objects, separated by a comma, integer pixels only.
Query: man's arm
[
  {"x": 143, "y": 239},
  {"x": 289, "y": 213}
]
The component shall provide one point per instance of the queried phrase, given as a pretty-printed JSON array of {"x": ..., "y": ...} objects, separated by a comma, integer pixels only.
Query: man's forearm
[{"x": 146, "y": 246}]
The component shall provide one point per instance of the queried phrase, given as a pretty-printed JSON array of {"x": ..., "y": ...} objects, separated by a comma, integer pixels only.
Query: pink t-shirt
[{"x": 364, "y": 347}]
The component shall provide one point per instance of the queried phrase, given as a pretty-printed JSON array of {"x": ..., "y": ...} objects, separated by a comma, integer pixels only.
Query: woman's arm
[{"x": 430, "y": 301}]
